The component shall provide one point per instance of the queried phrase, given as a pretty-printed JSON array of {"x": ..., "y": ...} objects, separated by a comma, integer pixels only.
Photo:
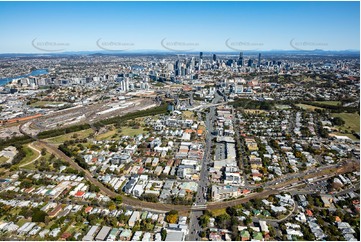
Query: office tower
[
  {"x": 259, "y": 59},
  {"x": 192, "y": 63},
  {"x": 229, "y": 62},
  {"x": 126, "y": 84},
  {"x": 214, "y": 57},
  {"x": 240, "y": 60},
  {"x": 250, "y": 62},
  {"x": 176, "y": 68},
  {"x": 170, "y": 67},
  {"x": 201, "y": 55}
]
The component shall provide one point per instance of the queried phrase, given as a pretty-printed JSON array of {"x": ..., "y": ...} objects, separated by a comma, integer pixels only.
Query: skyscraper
[
  {"x": 259, "y": 59},
  {"x": 201, "y": 55},
  {"x": 240, "y": 60},
  {"x": 214, "y": 57}
]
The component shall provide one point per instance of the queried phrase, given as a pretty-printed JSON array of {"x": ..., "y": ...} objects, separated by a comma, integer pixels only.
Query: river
[{"x": 33, "y": 73}]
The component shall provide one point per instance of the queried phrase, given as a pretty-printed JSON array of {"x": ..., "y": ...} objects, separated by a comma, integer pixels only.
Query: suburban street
[{"x": 203, "y": 181}]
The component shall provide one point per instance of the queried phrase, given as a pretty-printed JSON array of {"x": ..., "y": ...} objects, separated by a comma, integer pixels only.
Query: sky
[{"x": 39, "y": 27}]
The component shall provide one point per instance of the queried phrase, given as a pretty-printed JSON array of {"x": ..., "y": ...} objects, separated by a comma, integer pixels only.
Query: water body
[{"x": 33, "y": 73}]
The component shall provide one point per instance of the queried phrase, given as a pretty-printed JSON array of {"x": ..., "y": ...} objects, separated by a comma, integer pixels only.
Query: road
[{"x": 203, "y": 181}]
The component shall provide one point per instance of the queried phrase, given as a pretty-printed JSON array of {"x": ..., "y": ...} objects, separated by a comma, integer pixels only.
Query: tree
[
  {"x": 298, "y": 154},
  {"x": 232, "y": 211},
  {"x": 272, "y": 231},
  {"x": 111, "y": 206},
  {"x": 43, "y": 151},
  {"x": 119, "y": 199},
  {"x": 38, "y": 215},
  {"x": 26, "y": 183},
  {"x": 337, "y": 121},
  {"x": 93, "y": 188},
  {"x": 248, "y": 220},
  {"x": 150, "y": 198},
  {"x": 172, "y": 216},
  {"x": 223, "y": 220},
  {"x": 92, "y": 218},
  {"x": 204, "y": 220},
  {"x": 163, "y": 234}
]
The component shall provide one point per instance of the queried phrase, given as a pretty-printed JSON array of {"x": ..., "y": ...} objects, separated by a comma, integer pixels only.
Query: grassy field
[
  {"x": 129, "y": 131},
  {"x": 307, "y": 107},
  {"x": 217, "y": 212},
  {"x": 106, "y": 135},
  {"x": 30, "y": 155},
  {"x": 332, "y": 103},
  {"x": 3, "y": 159},
  {"x": 80, "y": 135},
  {"x": 30, "y": 166},
  {"x": 352, "y": 121},
  {"x": 44, "y": 103}
]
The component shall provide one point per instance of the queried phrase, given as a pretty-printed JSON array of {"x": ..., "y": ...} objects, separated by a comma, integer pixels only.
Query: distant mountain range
[{"x": 167, "y": 52}]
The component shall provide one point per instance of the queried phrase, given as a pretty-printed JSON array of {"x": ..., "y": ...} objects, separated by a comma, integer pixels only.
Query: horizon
[
  {"x": 195, "y": 52},
  {"x": 155, "y": 26}
]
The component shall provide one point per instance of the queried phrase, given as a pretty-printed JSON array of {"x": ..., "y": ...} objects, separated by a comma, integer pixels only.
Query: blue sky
[{"x": 200, "y": 26}]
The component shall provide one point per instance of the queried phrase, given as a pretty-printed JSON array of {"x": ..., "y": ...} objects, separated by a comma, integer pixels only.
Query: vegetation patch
[
  {"x": 130, "y": 131},
  {"x": 307, "y": 107},
  {"x": 217, "y": 212},
  {"x": 352, "y": 121},
  {"x": 74, "y": 135},
  {"x": 331, "y": 103},
  {"x": 3, "y": 159},
  {"x": 252, "y": 104}
]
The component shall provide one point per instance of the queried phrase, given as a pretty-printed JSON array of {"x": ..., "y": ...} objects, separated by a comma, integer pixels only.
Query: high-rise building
[
  {"x": 240, "y": 60},
  {"x": 214, "y": 57},
  {"x": 229, "y": 62},
  {"x": 177, "y": 68},
  {"x": 201, "y": 55},
  {"x": 259, "y": 60},
  {"x": 250, "y": 62},
  {"x": 124, "y": 84}
]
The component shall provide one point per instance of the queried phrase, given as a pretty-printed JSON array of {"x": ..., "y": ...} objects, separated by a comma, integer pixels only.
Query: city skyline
[{"x": 48, "y": 27}]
